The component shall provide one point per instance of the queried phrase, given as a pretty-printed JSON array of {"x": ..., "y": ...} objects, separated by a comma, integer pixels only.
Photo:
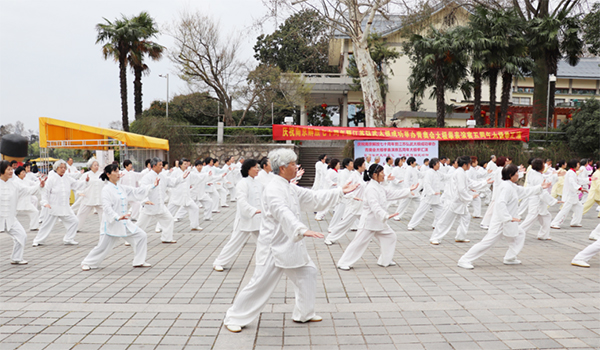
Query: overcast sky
[{"x": 51, "y": 67}]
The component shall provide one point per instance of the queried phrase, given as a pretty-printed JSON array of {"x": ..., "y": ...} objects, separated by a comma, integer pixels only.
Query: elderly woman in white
[
  {"x": 56, "y": 198},
  {"x": 11, "y": 189},
  {"x": 92, "y": 193},
  {"x": 329, "y": 181},
  {"x": 570, "y": 195},
  {"x": 247, "y": 217},
  {"x": 116, "y": 222},
  {"x": 280, "y": 247},
  {"x": 538, "y": 205},
  {"x": 198, "y": 190},
  {"x": 505, "y": 219},
  {"x": 25, "y": 203},
  {"x": 373, "y": 221},
  {"x": 181, "y": 195},
  {"x": 411, "y": 177},
  {"x": 344, "y": 175},
  {"x": 432, "y": 190}
]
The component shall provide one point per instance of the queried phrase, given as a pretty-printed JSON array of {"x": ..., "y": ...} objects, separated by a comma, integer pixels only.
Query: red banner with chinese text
[{"x": 303, "y": 132}]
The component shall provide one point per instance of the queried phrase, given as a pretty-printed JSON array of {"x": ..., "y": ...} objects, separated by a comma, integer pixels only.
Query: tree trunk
[
  {"x": 373, "y": 102},
  {"x": 228, "y": 112},
  {"x": 540, "y": 93},
  {"x": 506, "y": 84},
  {"x": 137, "y": 91},
  {"x": 123, "y": 79},
  {"x": 493, "y": 84},
  {"x": 477, "y": 98},
  {"x": 440, "y": 100},
  {"x": 552, "y": 64}
]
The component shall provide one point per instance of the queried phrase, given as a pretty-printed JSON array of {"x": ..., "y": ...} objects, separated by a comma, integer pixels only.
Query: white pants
[
  {"x": 34, "y": 218},
  {"x": 422, "y": 211},
  {"x": 43, "y": 214},
  {"x": 339, "y": 210},
  {"x": 341, "y": 228},
  {"x": 70, "y": 222},
  {"x": 138, "y": 240},
  {"x": 223, "y": 196},
  {"x": 250, "y": 301},
  {"x": 192, "y": 209},
  {"x": 523, "y": 207},
  {"x": 596, "y": 233},
  {"x": 515, "y": 244},
  {"x": 487, "y": 218},
  {"x": 84, "y": 211},
  {"x": 360, "y": 243},
  {"x": 544, "y": 220},
  {"x": 234, "y": 246},
  {"x": 403, "y": 205},
  {"x": 135, "y": 209},
  {"x": 321, "y": 214},
  {"x": 232, "y": 193},
  {"x": 164, "y": 218},
  {"x": 562, "y": 214},
  {"x": 445, "y": 222},
  {"x": 476, "y": 204},
  {"x": 19, "y": 236},
  {"x": 216, "y": 198},
  {"x": 588, "y": 252},
  {"x": 77, "y": 203}
]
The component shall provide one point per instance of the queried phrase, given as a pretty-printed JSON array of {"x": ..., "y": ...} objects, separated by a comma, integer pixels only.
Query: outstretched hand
[
  {"x": 546, "y": 184},
  {"x": 349, "y": 187},
  {"x": 490, "y": 181},
  {"x": 156, "y": 181},
  {"x": 393, "y": 215},
  {"x": 414, "y": 187},
  {"x": 313, "y": 234}
]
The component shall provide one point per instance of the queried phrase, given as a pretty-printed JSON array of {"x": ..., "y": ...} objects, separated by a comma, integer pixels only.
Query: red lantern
[
  {"x": 569, "y": 116},
  {"x": 324, "y": 105},
  {"x": 486, "y": 120}
]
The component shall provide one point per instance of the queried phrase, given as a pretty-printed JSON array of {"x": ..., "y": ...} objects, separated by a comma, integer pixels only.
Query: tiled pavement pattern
[{"x": 425, "y": 302}]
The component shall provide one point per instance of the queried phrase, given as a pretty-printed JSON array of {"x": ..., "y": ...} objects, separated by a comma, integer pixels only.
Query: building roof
[{"x": 587, "y": 68}]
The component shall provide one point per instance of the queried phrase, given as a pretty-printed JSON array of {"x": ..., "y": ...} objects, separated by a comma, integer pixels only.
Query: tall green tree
[
  {"x": 299, "y": 45},
  {"x": 439, "y": 60},
  {"x": 118, "y": 38},
  {"x": 583, "y": 131},
  {"x": 140, "y": 49},
  {"x": 591, "y": 32}
]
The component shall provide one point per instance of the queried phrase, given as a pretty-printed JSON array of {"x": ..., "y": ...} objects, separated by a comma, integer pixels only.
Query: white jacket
[
  {"x": 24, "y": 201},
  {"x": 433, "y": 182},
  {"x": 57, "y": 193},
  {"x": 157, "y": 196},
  {"x": 571, "y": 188},
  {"x": 181, "y": 192},
  {"x": 249, "y": 200},
  {"x": 92, "y": 192},
  {"x": 198, "y": 181},
  {"x": 459, "y": 195},
  {"x": 114, "y": 206},
  {"x": 281, "y": 231},
  {"x": 374, "y": 216},
  {"x": 507, "y": 206},
  {"x": 539, "y": 204},
  {"x": 10, "y": 192}
]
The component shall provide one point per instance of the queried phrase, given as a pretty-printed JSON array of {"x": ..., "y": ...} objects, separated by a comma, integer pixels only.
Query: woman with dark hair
[
  {"x": 344, "y": 176},
  {"x": 373, "y": 221},
  {"x": 247, "y": 217},
  {"x": 11, "y": 189},
  {"x": 353, "y": 206},
  {"x": 570, "y": 197},
  {"x": 538, "y": 204},
  {"x": 432, "y": 188},
  {"x": 116, "y": 223},
  {"x": 330, "y": 181},
  {"x": 504, "y": 221},
  {"x": 320, "y": 169}
]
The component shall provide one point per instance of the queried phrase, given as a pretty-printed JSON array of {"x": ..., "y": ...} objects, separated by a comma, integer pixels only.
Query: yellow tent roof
[{"x": 77, "y": 134}]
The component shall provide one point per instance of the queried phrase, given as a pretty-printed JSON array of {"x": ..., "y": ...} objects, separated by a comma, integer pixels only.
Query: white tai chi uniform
[
  {"x": 432, "y": 187},
  {"x": 198, "y": 194},
  {"x": 320, "y": 169},
  {"x": 10, "y": 192},
  {"x": 181, "y": 197},
  {"x": 264, "y": 178},
  {"x": 247, "y": 221},
  {"x": 92, "y": 197},
  {"x": 25, "y": 203},
  {"x": 352, "y": 211},
  {"x": 496, "y": 175},
  {"x": 131, "y": 179},
  {"x": 507, "y": 208},
  {"x": 476, "y": 174},
  {"x": 280, "y": 249},
  {"x": 57, "y": 195},
  {"x": 76, "y": 174},
  {"x": 538, "y": 206},
  {"x": 114, "y": 204},
  {"x": 570, "y": 196},
  {"x": 373, "y": 222},
  {"x": 220, "y": 185},
  {"x": 411, "y": 177},
  {"x": 588, "y": 253},
  {"x": 330, "y": 181},
  {"x": 343, "y": 178},
  {"x": 158, "y": 210},
  {"x": 457, "y": 207},
  {"x": 235, "y": 176},
  {"x": 583, "y": 178}
]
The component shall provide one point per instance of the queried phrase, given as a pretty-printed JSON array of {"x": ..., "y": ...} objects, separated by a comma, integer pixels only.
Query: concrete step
[{"x": 310, "y": 155}]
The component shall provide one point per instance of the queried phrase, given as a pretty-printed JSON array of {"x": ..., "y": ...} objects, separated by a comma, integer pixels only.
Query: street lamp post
[
  {"x": 551, "y": 79},
  {"x": 166, "y": 76}
]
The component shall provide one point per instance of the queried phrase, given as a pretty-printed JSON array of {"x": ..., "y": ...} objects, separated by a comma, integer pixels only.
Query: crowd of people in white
[{"x": 360, "y": 193}]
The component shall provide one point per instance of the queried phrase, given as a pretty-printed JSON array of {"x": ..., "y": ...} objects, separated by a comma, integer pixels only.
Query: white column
[
  {"x": 303, "y": 115},
  {"x": 344, "y": 111},
  {"x": 220, "y": 132}
]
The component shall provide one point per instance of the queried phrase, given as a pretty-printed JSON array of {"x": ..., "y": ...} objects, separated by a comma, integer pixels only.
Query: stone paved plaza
[{"x": 426, "y": 302}]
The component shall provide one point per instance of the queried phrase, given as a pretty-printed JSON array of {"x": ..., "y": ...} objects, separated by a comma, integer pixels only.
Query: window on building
[
  {"x": 562, "y": 91},
  {"x": 584, "y": 91},
  {"x": 522, "y": 101},
  {"x": 525, "y": 89},
  {"x": 559, "y": 101}
]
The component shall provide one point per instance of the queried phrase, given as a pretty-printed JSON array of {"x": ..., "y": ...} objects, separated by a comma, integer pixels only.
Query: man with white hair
[
  {"x": 280, "y": 247},
  {"x": 56, "y": 198}
]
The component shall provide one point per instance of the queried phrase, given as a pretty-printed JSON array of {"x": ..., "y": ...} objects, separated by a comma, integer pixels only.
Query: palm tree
[
  {"x": 439, "y": 61},
  {"x": 118, "y": 39},
  {"x": 478, "y": 45},
  {"x": 139, "y": 49}
]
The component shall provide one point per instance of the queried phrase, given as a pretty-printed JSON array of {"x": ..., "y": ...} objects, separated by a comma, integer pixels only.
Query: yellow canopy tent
[
  {"x": 56, "y": 133},
  {"x": 50, "y": 159}
]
